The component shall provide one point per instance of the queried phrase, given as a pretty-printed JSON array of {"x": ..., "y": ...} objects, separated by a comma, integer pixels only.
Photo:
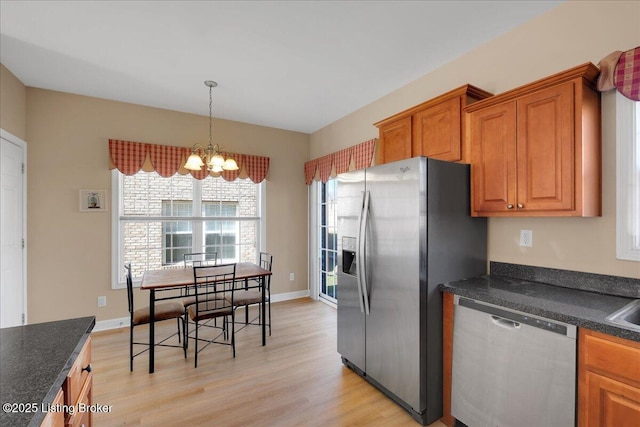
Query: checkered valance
[
  {"x": 131, "y": 157},
  {"x": 361, "y": 154}
]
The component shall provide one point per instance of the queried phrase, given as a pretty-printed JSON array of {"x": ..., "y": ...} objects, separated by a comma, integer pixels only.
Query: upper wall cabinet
[
  {"x": 433, "y": 128},
  {"x": 536, "y": 150}
]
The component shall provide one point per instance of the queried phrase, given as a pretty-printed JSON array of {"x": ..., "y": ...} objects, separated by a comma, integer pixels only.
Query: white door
[{"x": 12, "y": 282}]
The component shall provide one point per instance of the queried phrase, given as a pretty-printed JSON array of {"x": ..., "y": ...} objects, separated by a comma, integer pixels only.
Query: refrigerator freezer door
[
  {"x": 397, "y": 217},
  {"x": 351, "y": 318}
]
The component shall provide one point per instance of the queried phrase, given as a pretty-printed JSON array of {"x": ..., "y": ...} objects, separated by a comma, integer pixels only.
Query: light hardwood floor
[{"x": 298, "y": 379}]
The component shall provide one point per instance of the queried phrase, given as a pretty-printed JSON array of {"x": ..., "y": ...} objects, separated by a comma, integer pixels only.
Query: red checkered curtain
[
  {"x": 310, "y": 169},
  {"x": 130, "y": 157},
  {"x": 167, "y": 160},
  {"x": 342, "y": 160},
  {"x": 127, "y": 157},
  {"x": 361, "y": 154},
  {"x": 325, "y": 165},
  {"x": 256, "y": 167}
]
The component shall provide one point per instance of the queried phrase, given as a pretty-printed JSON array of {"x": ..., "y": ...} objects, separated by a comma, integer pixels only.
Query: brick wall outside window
[{"x": 143, "y": 195}]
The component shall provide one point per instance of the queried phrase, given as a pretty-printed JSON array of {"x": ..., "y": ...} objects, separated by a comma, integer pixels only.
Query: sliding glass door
[{"x": 327, "y": 241}]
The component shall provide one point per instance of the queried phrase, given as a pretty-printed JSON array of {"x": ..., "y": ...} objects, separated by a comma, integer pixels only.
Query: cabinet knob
[
  {"x": 88, "y": 368},
  {"x": 509, "y": 206},
  {"x": 520, "y": 206}
]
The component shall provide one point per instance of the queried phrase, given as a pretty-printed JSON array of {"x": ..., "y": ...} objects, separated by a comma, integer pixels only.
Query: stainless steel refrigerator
[{"x": 403, "y": 228}]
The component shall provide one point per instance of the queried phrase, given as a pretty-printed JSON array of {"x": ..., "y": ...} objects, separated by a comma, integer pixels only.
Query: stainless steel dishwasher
[{"x": 511, "y": 369}]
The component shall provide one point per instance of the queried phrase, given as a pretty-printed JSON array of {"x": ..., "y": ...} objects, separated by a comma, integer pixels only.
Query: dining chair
[
  {"x": 250, "y": 293},
  {"x": 200, "y": 258},
  {"x": 192, "y": 260},
  {"x": 163, "y": 311},
  {"x": 213, "y": 289}
]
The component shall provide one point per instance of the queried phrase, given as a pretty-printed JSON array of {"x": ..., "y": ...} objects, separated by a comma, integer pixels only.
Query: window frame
[
  {"x": 117, "y": 241},
  {"x": 627, "y": 179}
]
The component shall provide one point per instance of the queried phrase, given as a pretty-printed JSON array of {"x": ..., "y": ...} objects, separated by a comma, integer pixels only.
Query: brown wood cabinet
[
  {"x": 55, "y": 418},
  {"x": 77, "y": 389},
  {"x": 447, "y": 358},
  {"x": 608, "y": 381},
  {"x": 536, "y": 150},
  {"x": 433, "y": 128}
]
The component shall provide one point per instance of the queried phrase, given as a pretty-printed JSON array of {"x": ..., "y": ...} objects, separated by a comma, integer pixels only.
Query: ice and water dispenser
[{"x": 349, "y": 265}]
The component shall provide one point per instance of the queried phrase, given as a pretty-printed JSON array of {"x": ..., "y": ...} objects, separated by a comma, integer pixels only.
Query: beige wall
[
  {"x": 70, "y": 252},
  {"x": 12, "y": 103},
  {"x": 571, "y": 34}
]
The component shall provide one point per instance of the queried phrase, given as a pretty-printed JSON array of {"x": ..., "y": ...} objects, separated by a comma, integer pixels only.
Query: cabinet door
[
  {"x": 493, "y": 155},
  {"x": 436, "y": 131},
  {"x": 610, "y": 403},
  {"x": 55, "y": 419},
  {"x": 608, "y": 380},
  {"x": 545, "y": 147},
  {"x": 395, "y": 139}
]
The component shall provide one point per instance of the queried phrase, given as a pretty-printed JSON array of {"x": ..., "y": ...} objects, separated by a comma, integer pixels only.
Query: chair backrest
[
  {"x": 266, "y": 262},
  {"x": 129, "y": 287},
  {"x": 266, "y": 259},
  {"x": 214, "y": 282},
  {"x": 200, "y": 259}
]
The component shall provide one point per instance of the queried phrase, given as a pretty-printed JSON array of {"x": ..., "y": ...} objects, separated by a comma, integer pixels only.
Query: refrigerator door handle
[
  {"x": 360, "y": 255},
  {"x": 363, "y": 245}
]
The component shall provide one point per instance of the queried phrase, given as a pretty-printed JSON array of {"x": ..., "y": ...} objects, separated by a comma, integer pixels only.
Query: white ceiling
[{"x": 295, "y": 65}]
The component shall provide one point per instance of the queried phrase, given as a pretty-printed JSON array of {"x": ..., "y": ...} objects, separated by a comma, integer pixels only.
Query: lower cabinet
[
  {"x": 55, "y": 418},
  {"x": 77, "y": 389},
  {"x": 75, "y": 393},
  {"x": 608, "y": 381}
]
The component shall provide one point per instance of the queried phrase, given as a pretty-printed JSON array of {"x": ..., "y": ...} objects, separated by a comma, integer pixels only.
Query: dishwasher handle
[
  {"x": 505, "y": 323},
  {"x": 509, "y": 318}
]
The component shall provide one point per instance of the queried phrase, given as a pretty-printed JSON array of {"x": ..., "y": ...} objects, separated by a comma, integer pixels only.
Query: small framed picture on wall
[{"x": 93, "y": 200}]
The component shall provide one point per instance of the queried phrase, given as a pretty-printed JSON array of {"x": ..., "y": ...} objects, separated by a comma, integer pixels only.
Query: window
[
  {"x": 628, "y": 178},
  {"x": 327, "y": 240},
  {"x": 157, "y": 220}
]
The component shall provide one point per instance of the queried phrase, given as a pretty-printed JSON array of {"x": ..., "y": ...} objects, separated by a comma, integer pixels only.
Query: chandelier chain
[{"x": 210, "y": 113}]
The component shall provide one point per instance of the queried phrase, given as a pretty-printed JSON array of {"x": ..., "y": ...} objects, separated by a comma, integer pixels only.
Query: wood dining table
[{"x": 180, "y": 278}]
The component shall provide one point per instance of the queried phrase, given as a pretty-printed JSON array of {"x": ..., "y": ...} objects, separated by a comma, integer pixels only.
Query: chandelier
[{"x": 211, "y": 156}]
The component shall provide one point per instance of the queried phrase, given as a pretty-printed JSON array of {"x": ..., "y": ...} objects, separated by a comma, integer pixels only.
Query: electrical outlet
[
  {"x": 526, "y": 238},
  {"x": 102, "y": 301},
  {"x": 292, "y": 277}
]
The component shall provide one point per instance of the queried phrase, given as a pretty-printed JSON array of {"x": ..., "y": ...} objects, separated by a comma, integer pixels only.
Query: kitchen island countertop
[{"x": 34, "y": 362}]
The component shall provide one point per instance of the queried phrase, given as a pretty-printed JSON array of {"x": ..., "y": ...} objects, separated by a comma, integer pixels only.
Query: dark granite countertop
[
  {"x": 34, "y": 362},
  {"x": 571, "y": 304}
]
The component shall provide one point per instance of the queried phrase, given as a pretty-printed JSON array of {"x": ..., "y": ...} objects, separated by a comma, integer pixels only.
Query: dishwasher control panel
[{"x": 520, "y": 317}]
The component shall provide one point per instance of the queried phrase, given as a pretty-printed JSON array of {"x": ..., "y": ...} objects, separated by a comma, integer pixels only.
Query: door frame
[{"x": 23, "y": 145}]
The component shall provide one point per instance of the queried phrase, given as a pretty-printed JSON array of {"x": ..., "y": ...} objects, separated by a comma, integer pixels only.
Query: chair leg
[
  {"x": 184, "y": 336},
  {"x": 233, "y": 334},
  {"x": 178, "y": 323},
  {"x": 130, "y": 348},
  {"x": 269, "y": 303},
  {"x": 195, "y": 322}
]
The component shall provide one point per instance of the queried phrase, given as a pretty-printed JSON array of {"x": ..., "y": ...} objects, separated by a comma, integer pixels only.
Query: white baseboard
[
  {"x": 105, "y": 325},
  {"x": 123, "y": 322},
  {"x": 289, "y": 295}
]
